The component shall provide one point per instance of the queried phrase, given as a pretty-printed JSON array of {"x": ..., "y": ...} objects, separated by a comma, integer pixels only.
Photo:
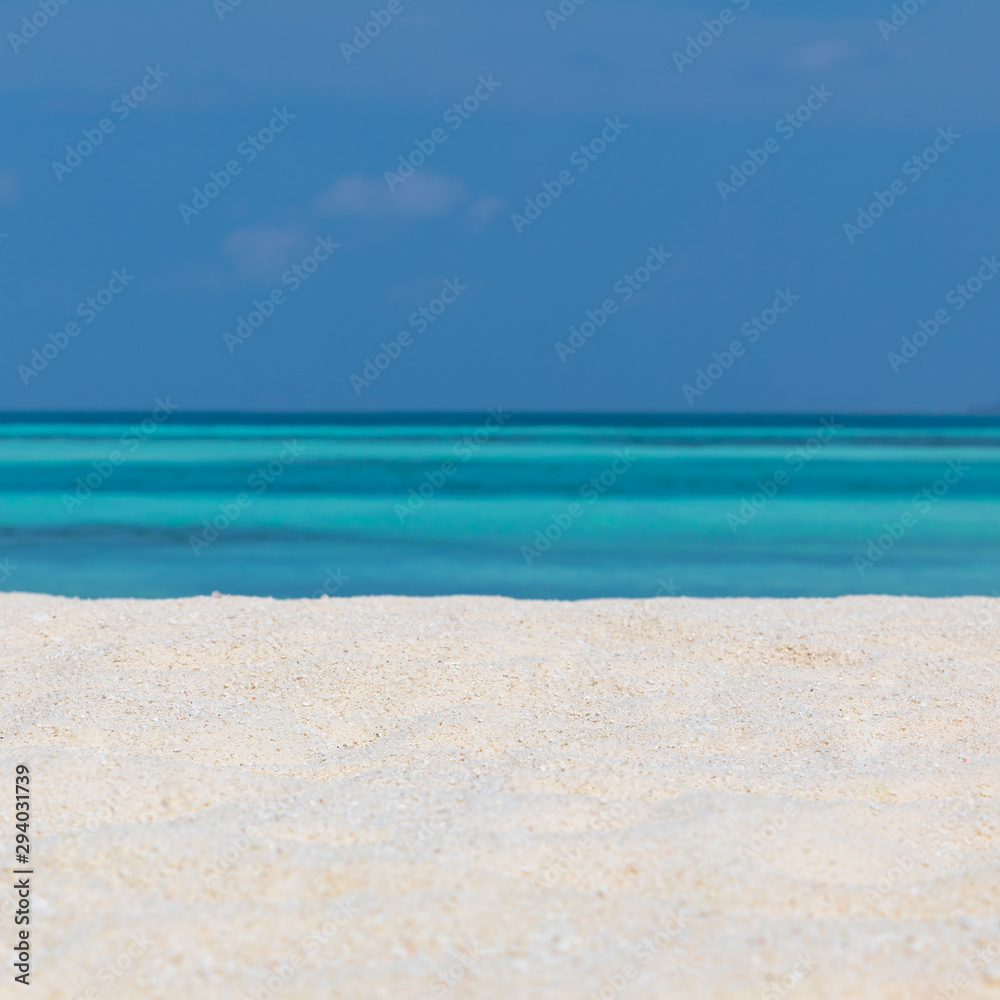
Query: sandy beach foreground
[{"x": 479, "y": 797}]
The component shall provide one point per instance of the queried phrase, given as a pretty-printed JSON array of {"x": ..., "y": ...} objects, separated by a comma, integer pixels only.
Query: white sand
[{"x": 538, "y": 787}]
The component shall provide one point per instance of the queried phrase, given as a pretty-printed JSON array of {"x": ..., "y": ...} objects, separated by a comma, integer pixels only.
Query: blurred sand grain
[{"x": 775, "y": 787}]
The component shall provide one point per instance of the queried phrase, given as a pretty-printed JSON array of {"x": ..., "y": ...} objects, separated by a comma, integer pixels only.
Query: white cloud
[
  {"x": 823, "y": 55},
  {"x": 421, "y": 196},
  {"x": 261, "y": 252},
  {"x": 483, "y": 209}
]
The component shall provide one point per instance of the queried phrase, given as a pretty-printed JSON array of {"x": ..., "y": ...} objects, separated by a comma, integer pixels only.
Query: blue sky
[{"x": 215, "y": 78}]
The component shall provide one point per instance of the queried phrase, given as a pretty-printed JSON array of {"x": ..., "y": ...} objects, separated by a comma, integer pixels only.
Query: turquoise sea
[{"x": 526, "y": 506}]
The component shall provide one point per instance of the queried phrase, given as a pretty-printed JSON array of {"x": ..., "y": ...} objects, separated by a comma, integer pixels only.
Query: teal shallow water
[{"x": 432, "y": 505}]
